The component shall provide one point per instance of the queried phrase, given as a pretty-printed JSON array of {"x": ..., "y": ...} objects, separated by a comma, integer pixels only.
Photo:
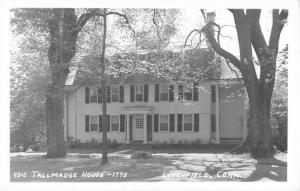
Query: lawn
[{"x": 84, "y": 165}]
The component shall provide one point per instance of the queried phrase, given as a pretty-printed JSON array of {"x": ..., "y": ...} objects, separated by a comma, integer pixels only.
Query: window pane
[
  {"x": 188, "y": 94},
  {"x": 94, "y": 127},
  {"x": 164, "y": 122},
  {"x": 115, "y": 123},
  {"x": 94, "y": 119},
  {"x": 115, "y": 127},
  {"x": 139, "y": 123},
  {"x": 93, "y": 95},
  {"x": 114, "y": 93},
  {"x": 188, "y": 127},
  {"x": 139, "y": 92},
  {"x": 164, "y": 97},
  {"x": 163, "y": 126},
  {"x": 188, "y": 118},
  {"x": 188, "y": 122}
]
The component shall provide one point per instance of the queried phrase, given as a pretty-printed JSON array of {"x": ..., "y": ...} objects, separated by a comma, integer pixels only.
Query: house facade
[{"x": 157, "y": 112}]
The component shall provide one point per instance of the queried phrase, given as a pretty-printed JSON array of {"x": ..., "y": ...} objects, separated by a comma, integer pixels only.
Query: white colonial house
[{"x": 145, "y": 110}]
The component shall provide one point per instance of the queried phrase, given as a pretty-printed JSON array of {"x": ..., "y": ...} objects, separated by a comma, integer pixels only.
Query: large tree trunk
[
  {"x": 259, "y": 138},
  {"x": 62, "y": 49}
]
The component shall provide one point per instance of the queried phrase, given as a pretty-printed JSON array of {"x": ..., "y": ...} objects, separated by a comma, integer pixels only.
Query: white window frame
[
  {"x": 111, "y": 93},
  {"x": 135, "y": 92},
  {"x": 160, "y": 92},
  {"x": 183, "y": 96},
  {"x": 183, "y": 124},
  {"x": 111, "y": 123},
  {"x": 168, "y": 121},
  {"x": 90, "y": 123},
  {"x": 90, "y": 96}
]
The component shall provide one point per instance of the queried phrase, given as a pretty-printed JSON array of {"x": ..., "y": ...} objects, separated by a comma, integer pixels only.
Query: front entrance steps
[{"x": 231, "y": 140}]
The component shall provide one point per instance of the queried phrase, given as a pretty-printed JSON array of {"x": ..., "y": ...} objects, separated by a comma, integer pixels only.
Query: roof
[{"x": 129, "y": 68}]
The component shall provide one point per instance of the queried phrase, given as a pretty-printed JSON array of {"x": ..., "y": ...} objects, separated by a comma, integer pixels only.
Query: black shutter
[
  {"x": 155, "y": 122},
  {"x": 171, "y": 92},
  {"x": 87, "y": 95},
  {"x": 100, "y": 123},
  {"x": 179, "y": 122},
  {"x": 146, "y": 92},
  {"x": 172, "y": 122},
  {"x": 130, "y": 127},
  {"x": 87, "y": 123},
  {"x": 180, "y": 92},
  {"x": 149, "y": 127},
  {"x": 213, "y": 93},
  {"x": 108, "y": 94},
  {"x": 121, "y": 94},
  {"x": 108, "y": 123},
  {"x": 99, "y": 95},
  {"x": 156, "y": 95},
  {"x": 122, "y": 123},
  {"x": 131, "y": 93},
  {"x": 195, "y": 92},
  {"x": 196, "y": 122}
]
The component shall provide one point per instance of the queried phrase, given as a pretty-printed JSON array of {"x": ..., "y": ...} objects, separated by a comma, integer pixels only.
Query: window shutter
[
  {"x": 180, "y": 92},
  {"x": 195, "y": 92},
  {"x": 108, "y": 94},
  {"x": 121, "y": 94},
  {"x": 171, "y": 92},
  {"x": 179, "y": 122},
  {"x": 108, "y": 123},
  {"x": 172, "y": 122},
  {"x": 155, "y": 122},
  {"x": 213, "y": 93},
  {"x": 122, "y": 123},
  {"x": 131, "y": 93},
  {"x": 149, "y": 127},
  {"x": 196, "y": 122},
  {"x": 146, "y": 92},
  {"x": 99, "y": 95},
  {"x": 87, "y": 95},
  {"x": 100, "y": 123},
  {"x": 87, "y": 123},
  {"x": 130, "y": 127},
  {"x": 156, "y": 95}
]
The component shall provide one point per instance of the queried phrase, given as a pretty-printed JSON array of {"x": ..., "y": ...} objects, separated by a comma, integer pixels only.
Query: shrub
[
  {"x": 75, "y": 144},
  {"x": 35, "y": 147},
  {"x": 114, "y": 144},
  {"x": 156, "y": 145}
]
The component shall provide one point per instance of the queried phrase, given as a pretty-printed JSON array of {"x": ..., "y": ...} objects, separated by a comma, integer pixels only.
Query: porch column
[
  {"x": 145, "y": 128},
  {"x": 127, "y": 129},
  {"x": 217, "y": 114}
]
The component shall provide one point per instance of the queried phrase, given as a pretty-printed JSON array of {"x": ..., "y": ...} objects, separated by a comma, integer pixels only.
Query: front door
[{"x": 138, "y": 127}]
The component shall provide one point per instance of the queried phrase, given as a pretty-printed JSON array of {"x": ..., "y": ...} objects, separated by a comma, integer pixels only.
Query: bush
[
  {"x": 75, "y": 144},
  {"x": 36, "y": 147},
  {"x": 114, "y": 144}
]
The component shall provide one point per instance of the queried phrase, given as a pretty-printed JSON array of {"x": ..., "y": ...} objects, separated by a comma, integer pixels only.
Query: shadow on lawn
[{"x": 269, "y": 168}]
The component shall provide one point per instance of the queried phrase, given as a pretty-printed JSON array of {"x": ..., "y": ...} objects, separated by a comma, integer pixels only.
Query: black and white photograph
[{"x": 157, "y": 94}]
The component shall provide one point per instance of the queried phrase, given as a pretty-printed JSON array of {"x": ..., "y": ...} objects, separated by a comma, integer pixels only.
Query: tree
[
  {"x": 62, "y": 27},
  {"x": 259, "y": 88}
]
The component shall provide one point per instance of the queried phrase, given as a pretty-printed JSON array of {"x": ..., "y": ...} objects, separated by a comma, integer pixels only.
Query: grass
[{"x": 166, "y": 165}]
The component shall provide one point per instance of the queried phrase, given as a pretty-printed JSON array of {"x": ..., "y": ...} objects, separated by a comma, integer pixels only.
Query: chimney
[{"x": 210, "y": 17}]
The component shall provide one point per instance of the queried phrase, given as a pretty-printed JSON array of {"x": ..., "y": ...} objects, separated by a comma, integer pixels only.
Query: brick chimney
[{"x": 210, "y": 17}]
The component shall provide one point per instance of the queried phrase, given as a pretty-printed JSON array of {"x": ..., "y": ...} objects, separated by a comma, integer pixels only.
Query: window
[
  {"x": 188, "y": 94},
  {"x": 139, "y": 93},
  {"x": 188, "y": 122},
  {"x": 115, "y": 123},
  {"x": 94, "y": 123},
  {"x": 164, "y": 89},
  {"x": 164, "y": 123},
  {"x": 115, "y": 94},
  {"x": 139, "y": 123},
  {"x": 94, "y": 95},
  {"x": 185, "y": 93}
]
